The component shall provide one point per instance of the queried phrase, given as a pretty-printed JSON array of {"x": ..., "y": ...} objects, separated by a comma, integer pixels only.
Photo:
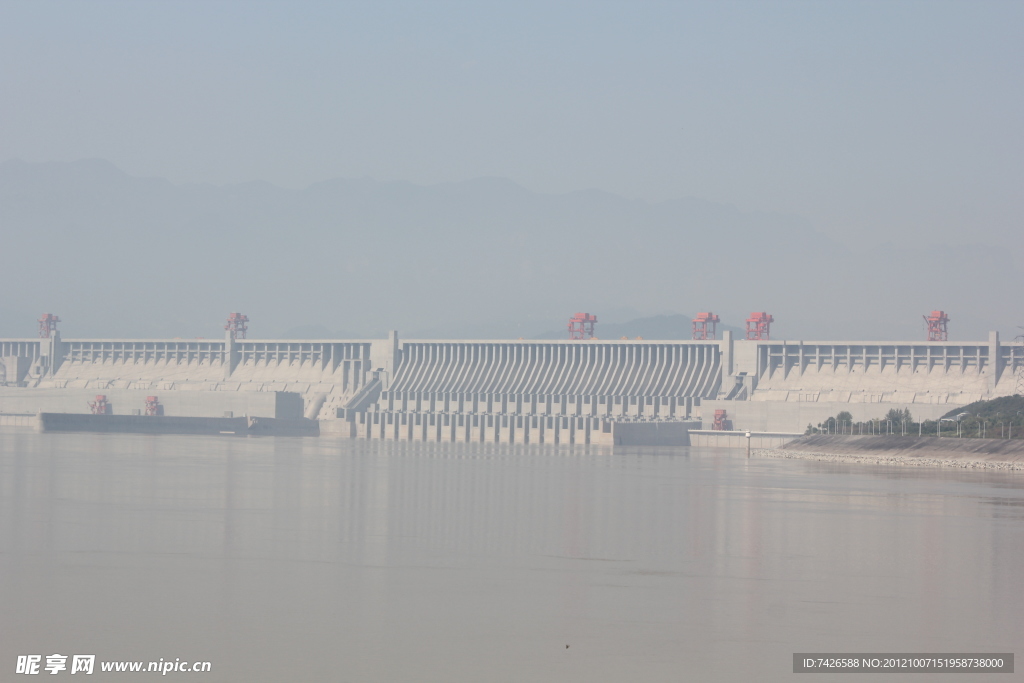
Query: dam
[{"x": 578, "y": 390}]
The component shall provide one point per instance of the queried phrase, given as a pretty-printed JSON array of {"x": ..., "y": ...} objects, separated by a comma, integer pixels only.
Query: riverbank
[{"x": 997, "y": 454}]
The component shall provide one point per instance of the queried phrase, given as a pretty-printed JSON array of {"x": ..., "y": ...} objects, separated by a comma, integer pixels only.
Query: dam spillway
[
  {"x": 520, "y": 376},
  {"x": 763, "y": 385}
]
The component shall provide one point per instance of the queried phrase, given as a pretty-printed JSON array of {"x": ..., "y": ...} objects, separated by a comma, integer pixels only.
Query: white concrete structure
[
  {"x": 925, "y": 372},
  {"x": 763, "y": 385}
]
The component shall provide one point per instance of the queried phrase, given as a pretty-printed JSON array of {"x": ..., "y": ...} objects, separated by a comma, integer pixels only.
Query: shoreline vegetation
[{"x": 1001, "y": 418}]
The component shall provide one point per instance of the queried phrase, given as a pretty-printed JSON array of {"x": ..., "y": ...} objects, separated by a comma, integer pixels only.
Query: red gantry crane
[
  {"x": 705, "y": 326},
  {"x": 759, "y": 325},
  {"x": 47, "y": 325},
  {"x": 581, "y": 326},
  {"x": 100, "y": 406},
  {"x": 937, "y": 326},
  {"x": 153, "y": 406},
  {"x": 237, "y": 325}
]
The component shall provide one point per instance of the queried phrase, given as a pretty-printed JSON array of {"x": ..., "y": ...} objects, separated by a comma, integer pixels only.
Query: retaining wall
[
  {"x": 979, "y": 449},
  {"x": 736, "y": 439},
  {"x": 156, "y": 424}
]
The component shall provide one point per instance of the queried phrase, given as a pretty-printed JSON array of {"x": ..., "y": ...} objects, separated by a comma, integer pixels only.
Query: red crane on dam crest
[
  {"x": 237, "y": 325},
  {"x": 581, "y": 326},
  {"x": 938, "y": 323},
  {"x": 47, "y": 325},
  {"x": 759, "y": 325},
  {"x": 705, "y": 326}
]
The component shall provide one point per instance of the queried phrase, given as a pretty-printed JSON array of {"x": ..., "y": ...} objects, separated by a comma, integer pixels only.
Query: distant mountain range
[{"x": 117, "y": 255}]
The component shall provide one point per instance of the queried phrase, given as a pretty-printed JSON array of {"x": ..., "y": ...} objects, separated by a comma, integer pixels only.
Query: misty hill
[
  {"x": 114, "y": 254},
  {"x": 1005, "y": 408}
]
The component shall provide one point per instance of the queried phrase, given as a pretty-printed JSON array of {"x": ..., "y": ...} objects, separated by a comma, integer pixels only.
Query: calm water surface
[{"x": 323, "y": 560}]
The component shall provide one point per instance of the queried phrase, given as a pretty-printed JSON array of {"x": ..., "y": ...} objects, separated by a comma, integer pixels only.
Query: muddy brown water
[{"x": 317, "y": 559}]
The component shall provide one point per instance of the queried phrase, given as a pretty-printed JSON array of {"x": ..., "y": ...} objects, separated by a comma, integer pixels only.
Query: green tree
[
  {"x": 897, "y": 415},
  {"x": 845, "y": 422}
]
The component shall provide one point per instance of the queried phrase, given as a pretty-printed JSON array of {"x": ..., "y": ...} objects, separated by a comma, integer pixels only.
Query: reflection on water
[{"x": 315, "y": 559}]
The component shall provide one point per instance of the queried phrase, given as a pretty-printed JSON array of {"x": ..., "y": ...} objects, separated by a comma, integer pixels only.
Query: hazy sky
[{"x": 874, "y": 120}]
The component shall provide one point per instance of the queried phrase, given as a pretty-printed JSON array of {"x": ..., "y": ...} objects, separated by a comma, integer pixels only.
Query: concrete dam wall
[
  {"x": 200, "y": 378},
  {"x": 762, "y": 385},
  {"x": 928, "y": 372},
  {"x": 592, "y": 378}
]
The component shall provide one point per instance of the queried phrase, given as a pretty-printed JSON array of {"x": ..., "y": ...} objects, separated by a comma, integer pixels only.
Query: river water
[{"x": 286, "y": 559}]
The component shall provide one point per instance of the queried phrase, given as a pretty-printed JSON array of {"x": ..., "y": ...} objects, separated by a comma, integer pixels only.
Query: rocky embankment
[{"x": 929, "y": 451}]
